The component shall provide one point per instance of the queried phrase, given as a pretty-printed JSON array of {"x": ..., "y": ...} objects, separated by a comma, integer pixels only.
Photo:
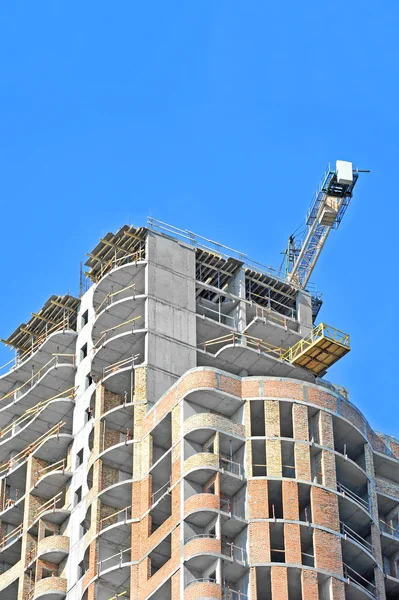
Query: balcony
[
  {"x": 349, "y": 503},
  {"x": 49, "y": 588},
  {"x": 203, "y": 587},
  {"x": 358, "y": 587},
  {"x": 35, "y": 422},
  {"x": 53, "y": 549},
  {"x": 118, "y": 347},
  {"x": 58, "y": 375}
]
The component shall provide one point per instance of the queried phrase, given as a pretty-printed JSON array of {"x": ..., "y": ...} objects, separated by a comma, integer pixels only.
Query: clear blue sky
[{"x": 216, "y": 116}]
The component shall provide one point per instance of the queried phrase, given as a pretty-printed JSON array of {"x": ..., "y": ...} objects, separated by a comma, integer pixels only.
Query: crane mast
[{"x": 325, "y": 213}]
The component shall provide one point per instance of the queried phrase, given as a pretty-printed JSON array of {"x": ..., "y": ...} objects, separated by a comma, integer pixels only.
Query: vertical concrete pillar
[{"x": 304, "y": 312}]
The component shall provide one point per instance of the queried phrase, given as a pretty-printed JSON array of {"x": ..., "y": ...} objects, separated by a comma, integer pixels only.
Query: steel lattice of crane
[{"x": 325, "y": 213}]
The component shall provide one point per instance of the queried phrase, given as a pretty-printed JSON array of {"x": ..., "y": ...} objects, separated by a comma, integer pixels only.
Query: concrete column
[{"x": 304, "y": 312}]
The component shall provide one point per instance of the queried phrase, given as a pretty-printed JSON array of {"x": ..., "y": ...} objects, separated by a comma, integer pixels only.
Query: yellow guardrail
[{"x": 321, "y": 331}]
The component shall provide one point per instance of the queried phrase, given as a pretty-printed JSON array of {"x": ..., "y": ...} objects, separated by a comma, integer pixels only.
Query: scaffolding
[
  {"x": 125, "y": 246},
  {"x": 58, "y": 313}
]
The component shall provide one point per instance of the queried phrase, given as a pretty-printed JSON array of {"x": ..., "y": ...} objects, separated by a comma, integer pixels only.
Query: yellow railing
[
  {"x": 61, "y": 465},
  {"x": 39, "y": 341},
  {"x": 114, "y": 514},
  {"x": 113, "y": 262},
  {"x": 247, "y": 340},
  {"x": 120, "y": 595},
  {"x": 23, "y": 455},
  {"x": 36, "y": 376},
  {"x": 110, "y": 295},
  {"x": 104, "y": 333},
  {"x": 33, "y": 412},
  {"x": 49, "y": 505},
  {"x": 319, "y": 332},
  {"x": 12, "y": 534},
  {"x": 120, "y": 364}
]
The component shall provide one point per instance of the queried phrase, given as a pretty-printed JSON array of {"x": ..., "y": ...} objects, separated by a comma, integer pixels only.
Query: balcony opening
[
  {"x": 316, "y": 466},
  {"x": 78, "y": 495},
  {"x": 81, "y": 569},
  {"x": 324, "y": 587},
  {"x": 257, "y": 409},
  {"x": 288, "y": 466},
  {"x": 49, "y": 532},
  {"x": 79, "y": 458},
  {"x": 263, "y": 583},
  {"x": 307, "y": 550},
  {"x": 286, "y": 425},
  {"x": 314, "y": 425},
  {"x": 88, "y": 381},
  {"x": 305, "y": 509},
  {"x": 83, "y": 352},
  {"x": 275, "y": 499},
  {"x": 47, "y": 573},
  {"x": 160, "y": 555},
  {"x": 277, "y": 542},
  {"x": 84, "y": 319},
  {"x": 349, "y": 442},
  {"x": 161, "y": 438},
  {"x": 259, "y": 468},
  {"x": 294, "y": 584}
]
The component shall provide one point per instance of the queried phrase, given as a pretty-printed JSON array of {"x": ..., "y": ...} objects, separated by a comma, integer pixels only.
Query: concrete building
[{"x": 170, "y": 435}]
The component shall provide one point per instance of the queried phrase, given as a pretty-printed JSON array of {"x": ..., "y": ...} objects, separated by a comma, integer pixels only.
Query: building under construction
[{"x": 171, "y": 435}]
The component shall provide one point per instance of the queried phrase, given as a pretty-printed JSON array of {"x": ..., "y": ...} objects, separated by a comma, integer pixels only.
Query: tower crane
[{"x": 329, "y": 205}]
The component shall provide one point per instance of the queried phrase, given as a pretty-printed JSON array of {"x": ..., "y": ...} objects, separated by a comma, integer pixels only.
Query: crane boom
[{"x": 325, "y": 213}]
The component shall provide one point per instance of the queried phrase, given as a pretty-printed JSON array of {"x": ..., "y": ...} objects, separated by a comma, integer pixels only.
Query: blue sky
[{"x": 216, "y": 116}]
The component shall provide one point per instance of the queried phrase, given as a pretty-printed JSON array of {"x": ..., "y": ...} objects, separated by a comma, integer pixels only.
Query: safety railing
[
  {"x": 60, "y": 465},
  {"x": 31, "y": 413},
  {"x": 116, "y": 560},
  {"x": 243, "y": 339},
  {"x": 6, "y": 503},
  {"x": 319, "y": 332},
  {"x": 307, "y": 559},
  {"x": 231, "y": 466},
  {"x": 353, "y": 496},
  {"x": 108, "y": 300},
  {"x": 354, "y": 577},
  {"x": 268, "y": 314},
  {"x": 55, "y": 361},
  {"x": 120, "y": 595},
  {"x": 389, "y": 528},
  {"x": 120, "y": 364},
  {"x": 229, "y": 594},
  {"x": 104, "y": 333},
  {"x": 350, "y": 534},
  {"x": 125, "y": 513},
  {"x": 115, "y": 262},
  {"x": 50, "y": 505},
  {"x": 23, "y": 455},
  {"x": 221, "y": 317},
  {"x": 162, "y": 491},
  {"x": 11, "y": 536},
  {"x": 234, "y": 552}
]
